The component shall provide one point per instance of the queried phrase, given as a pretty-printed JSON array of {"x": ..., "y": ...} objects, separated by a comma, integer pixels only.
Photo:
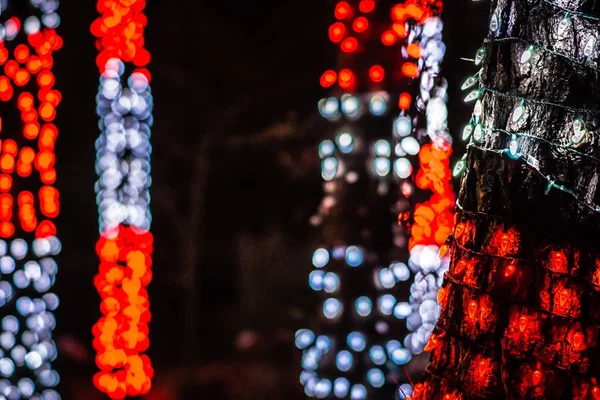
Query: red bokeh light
[
  {"x": 342, "y": 10},
  {"x": 388, "y": 38},
  {"x": 360, "y": 24},
  {"x": 349, "y": 45},
  {"x": 337, "y": 31},
  {"x": 328, "y": 78},
  {"x": 366, "y": 6},
  {"x": 376, "y": 73}
]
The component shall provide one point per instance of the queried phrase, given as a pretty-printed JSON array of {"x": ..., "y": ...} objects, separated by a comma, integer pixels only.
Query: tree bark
[{"x": 521, "y": 302}]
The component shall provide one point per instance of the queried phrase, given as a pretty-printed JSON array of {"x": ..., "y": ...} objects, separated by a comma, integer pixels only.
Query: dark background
[{"x": 235, "y": 179}]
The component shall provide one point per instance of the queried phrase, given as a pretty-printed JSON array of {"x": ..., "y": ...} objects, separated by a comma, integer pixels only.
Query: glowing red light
[
  {"x": 337, "y": 31},
  {"x": 404, "y": 101},
  {"x": 388, "y": 38},
  {"x": 366, "y": 6},
  {"x": 414, "y": 50},
  {"x": 346, "y": 79},
  {"x": 400, "y": 29},
  {"x": 342, "y": 10},
  {"x": 376, "y": 73},
  {"x": 349, "y": 45},
  {"x": 328, "y": 78},
  {"x": 360, "y": 24},
  {"x": 410, "y": 70}
]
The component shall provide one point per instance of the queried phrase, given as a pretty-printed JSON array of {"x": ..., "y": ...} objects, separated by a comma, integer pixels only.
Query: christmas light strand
[
  {"x": 515, "y": 303},
  {"x": 433, "y": 219},
  {"x": 551, "y": 180},
  {"x": 124, "y": 105},
  {"x": 532, "y": 46},
  {"x": 29, "y": 239},
  {"x": 359, "y": 364}
]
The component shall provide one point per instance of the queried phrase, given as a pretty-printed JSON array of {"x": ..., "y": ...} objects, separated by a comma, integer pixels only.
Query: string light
[
  {"x": 495, "y": 257},
  {"x": 29, "y": 239},
  {"x": 124, "y": 105},
  {"x": 360, "y": 363}
]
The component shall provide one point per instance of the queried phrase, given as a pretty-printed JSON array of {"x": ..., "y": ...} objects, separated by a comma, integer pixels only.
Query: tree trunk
[{"x": 521, "y": 302}]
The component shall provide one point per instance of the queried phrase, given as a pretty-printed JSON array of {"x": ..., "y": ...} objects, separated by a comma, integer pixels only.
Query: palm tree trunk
[{"x": 521, "y": 302}]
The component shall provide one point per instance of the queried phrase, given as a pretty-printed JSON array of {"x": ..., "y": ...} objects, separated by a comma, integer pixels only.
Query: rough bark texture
[{"x": 521, "y": 302}]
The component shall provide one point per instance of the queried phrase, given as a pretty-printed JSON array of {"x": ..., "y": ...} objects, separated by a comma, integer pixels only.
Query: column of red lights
[
  {"x": 28, "y": 239},
  {"x": 125, "y": 246}
]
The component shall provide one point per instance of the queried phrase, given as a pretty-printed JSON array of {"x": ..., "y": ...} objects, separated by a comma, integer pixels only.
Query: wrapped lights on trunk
[
  {"x": 29, "y": 240},
  {"x": 124, "y": 105}
]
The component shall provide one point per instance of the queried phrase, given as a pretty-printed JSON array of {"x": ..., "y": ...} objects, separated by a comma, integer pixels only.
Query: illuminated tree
[
  {"x": 122, "y": 191},
  {"x": 520, "y": 303},
  {"x": 28, "y": 239},
  {"x": 356, "y": 349}
]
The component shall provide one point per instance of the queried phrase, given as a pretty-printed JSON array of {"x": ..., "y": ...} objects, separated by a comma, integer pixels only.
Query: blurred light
[
  {"x": 382, "y": 148},
  {"x": 329, "y": 107},
  {"x": 402, "y": 168},
  {"x": 388, "y": 38},
  {"x": 329, "y": 168},
  {"x": 356, "y": 341},
  {"x": 354, "y": 256},
  {"x": 382, "y": 166},
  {"x": 349, "y": 45},
  {"x": 378, "y": 105},
  {"x": 342, "y": 10},
  {"x": 375, "y": 377},
  {"x": 410, "y": 145},
  {"x": 386, "y": 304},
  {"x": 323, "y": 388},
  {"x": 320, "y": 256},
  {"x": 337, "y": 31},
  {"x": 401, "y": 356},
  {"x": 376, "y": 73},
  {"x": 386, "y": 278},
  {"x": 401, "y": 271},
  {"x": 363, "y": 306},
  {"x": 350, "y": 105},
  {"x": 331, "y": 308},
  {"x": 403, "y": 126},
  {"x": 402, "y": 310},
  {"x": 358, "y": 392},
  {"x": 341, "y": 386},
  {"x": 331, "y": 282},
  {"x": 328, "y": 78},
  {"x": 315, "y": 280},
  {"x": 345, "y": 142},
  {"x": 360, "y": 24},
  {"x": 344, "y": 360}
]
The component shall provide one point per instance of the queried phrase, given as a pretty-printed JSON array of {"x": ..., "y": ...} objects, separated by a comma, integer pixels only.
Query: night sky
[{"x": 224, "y": 70}]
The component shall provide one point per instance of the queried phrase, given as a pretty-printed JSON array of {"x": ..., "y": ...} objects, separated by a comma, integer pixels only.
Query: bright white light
[
  {"x": 382, "y": 166},
  {"x": 363, "y": 306},
  {"x": 402, "y": 168},
  {"x": 382, "y": 148},
  {"x": 320, "y": 258},
  {"x": 326, "y": 148},
  {"x": 345, "y": 142},
  {"x": 358, "y": 392},
  {"x": 329, "y": 107},
  {"x": 304, "y": 338},
  {"x": 356, "y": 341},
  {"x": 410, "y": 145},
  {"x": 341, "y": 386},
  {"x": 350, "y": 105},
  {"x": 331, "y": 308},
  {"x": 354, "y": 256},
  {"x": 378, "y": 105},
  {"x": 344, "y": 360},
  {"x": 403, "y": 126}
]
